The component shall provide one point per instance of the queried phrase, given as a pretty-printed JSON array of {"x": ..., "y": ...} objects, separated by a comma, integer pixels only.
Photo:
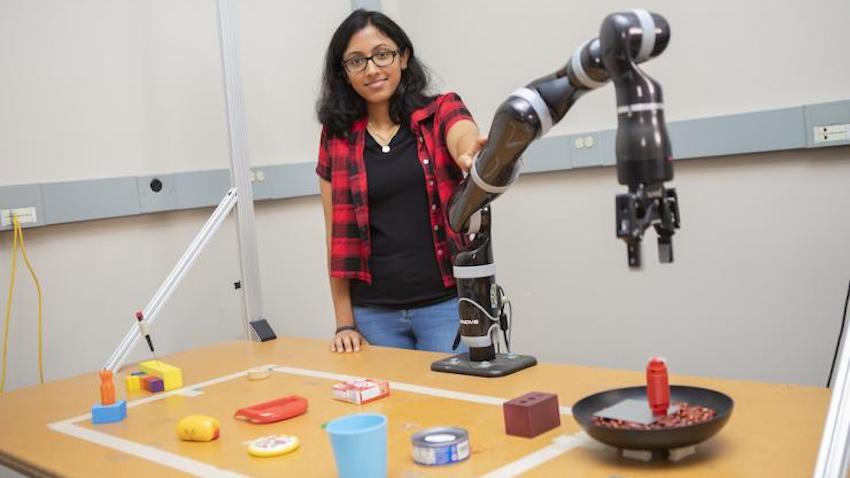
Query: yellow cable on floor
[
  {"x": 20, "y": 233},
  {"x": 9, "y": 307}
]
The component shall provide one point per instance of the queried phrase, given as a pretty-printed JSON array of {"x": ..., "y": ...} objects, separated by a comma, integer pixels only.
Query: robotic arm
[{"x": 644, "y": 163}]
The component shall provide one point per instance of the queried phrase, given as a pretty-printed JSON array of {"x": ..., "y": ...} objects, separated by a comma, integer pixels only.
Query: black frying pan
[{"x": 665, "y": 439}]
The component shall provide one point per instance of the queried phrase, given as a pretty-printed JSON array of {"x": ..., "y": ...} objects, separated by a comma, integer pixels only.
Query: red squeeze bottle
[{"x": 657, "y": 387}]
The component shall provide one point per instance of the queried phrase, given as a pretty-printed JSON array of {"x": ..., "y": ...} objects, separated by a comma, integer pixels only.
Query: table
[{"x": 775, "y": 429}]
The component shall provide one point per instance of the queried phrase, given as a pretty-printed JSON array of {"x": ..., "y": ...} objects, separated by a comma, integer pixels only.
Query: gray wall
[
  {"x": 97, "y": 89},
  {"x": 100, "y": 89}
]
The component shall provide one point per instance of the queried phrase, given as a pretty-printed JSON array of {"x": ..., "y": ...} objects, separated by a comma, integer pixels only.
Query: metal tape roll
[{"x": 440, "y": 446}]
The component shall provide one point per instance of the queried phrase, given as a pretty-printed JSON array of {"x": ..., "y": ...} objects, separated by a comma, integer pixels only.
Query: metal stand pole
[
  {"x": 151, "y": 311},
  {"x": 833, "y": 453},
  {"x": 239, "y": 169},
  {"x": 240, "y": 178}
]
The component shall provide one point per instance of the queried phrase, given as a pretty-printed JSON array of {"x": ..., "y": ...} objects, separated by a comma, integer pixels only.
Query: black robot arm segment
[
  {"x": 526, "y": 115},
  {"x": 644, "y": 161},
  {"x": 644, "y": 157},
  {"x": 515, "y": 125}
]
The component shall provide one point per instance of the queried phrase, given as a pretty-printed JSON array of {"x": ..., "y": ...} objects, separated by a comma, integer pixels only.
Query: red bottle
[{"x": 657, "y": 387}]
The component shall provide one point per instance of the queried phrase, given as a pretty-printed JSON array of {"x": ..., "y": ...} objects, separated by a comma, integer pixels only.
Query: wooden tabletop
[{"x": 775, "y": 429}]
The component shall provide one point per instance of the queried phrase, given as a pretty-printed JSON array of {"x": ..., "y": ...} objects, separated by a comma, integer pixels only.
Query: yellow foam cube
[
  {"x": 172, "y": 377},
  {"x": 133, "y": 382}
]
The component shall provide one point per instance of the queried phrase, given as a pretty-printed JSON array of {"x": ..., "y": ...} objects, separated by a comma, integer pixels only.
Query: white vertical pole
[
  {"x": 833, "y": 454},
  {"x": 239, "y": 167}
]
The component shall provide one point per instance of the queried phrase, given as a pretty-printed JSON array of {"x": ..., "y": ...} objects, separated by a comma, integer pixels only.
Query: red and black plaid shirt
[{"x": 341, "y": 163}]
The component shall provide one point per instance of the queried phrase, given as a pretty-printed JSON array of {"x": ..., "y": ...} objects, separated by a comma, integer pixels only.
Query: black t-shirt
[{"x": 404, "y": 266}]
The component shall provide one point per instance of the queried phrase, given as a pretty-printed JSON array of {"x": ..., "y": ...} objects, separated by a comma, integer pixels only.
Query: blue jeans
[{"x": 432, "y": 327}]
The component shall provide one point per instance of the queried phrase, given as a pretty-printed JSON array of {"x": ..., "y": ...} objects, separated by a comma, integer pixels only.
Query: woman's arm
[
  {"x": 346, "y": 340},
  {"x": 464, "y": 142}
]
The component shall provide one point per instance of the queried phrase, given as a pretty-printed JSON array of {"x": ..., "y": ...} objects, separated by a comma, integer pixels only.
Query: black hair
[{"x": 339, "y": 106}]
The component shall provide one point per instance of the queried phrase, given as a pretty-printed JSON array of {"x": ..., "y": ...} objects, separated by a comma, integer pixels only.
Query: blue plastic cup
[{"x": 359, "y": 442}]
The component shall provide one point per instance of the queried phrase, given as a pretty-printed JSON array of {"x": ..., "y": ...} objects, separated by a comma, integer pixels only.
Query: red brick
[{"x": 531, "y": 414}]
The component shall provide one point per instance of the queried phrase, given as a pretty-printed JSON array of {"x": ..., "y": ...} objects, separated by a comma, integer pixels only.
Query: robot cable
[{"x": 495, "y": 321}]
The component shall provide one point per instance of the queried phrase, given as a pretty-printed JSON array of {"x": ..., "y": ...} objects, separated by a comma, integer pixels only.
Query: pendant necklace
[{"x": 384, "y": 143}]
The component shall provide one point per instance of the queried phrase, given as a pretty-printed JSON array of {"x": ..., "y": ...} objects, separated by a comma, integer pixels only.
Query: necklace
[{"x": 384, "y": 142}]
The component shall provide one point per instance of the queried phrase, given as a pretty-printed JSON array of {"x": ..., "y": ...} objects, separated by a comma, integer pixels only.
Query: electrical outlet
[
  {"x": 25, "y": 215},
  {"x": 833, "y": 132},
  {"x": 585, "y": 142}
]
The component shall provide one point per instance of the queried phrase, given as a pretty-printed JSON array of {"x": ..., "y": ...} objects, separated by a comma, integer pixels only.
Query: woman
[{"x": 390, "y": 156}]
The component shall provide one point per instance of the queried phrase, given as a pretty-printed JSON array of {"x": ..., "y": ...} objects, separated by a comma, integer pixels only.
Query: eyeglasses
[{"x": 381, "y": 58}]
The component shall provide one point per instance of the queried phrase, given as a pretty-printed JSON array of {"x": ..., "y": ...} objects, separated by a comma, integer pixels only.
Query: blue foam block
[{"x": 109, "y": 413}]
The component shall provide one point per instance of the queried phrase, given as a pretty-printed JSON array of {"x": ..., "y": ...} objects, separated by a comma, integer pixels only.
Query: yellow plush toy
[{"x": 197, "y": 428}]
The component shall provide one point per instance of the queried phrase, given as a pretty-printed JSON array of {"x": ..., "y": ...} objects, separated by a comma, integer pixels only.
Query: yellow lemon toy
[{"x": 197, "y": 428}]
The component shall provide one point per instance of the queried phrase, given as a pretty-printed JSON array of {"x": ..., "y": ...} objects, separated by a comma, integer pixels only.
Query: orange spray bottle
[{"x": 107, "y": 388}]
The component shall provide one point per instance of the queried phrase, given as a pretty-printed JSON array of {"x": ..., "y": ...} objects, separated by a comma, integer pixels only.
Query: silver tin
[{"x": 440, "y": 446}]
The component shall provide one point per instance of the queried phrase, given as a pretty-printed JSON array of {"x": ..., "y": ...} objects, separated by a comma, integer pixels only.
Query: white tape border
[
  {"x": 188, "y": 391},
  {"x": 165, "y": 458},
  {"x": 560, "y": 445},
  {"x": 407, "y": 387},
  {"x": 161, "y": 457}
]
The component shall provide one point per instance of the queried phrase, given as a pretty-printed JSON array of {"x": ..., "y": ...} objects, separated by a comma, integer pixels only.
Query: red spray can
[{"x": 657, "y": 386}]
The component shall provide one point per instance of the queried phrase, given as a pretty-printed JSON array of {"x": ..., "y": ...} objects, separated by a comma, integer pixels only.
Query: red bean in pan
[{"x": 685, "y": 416}]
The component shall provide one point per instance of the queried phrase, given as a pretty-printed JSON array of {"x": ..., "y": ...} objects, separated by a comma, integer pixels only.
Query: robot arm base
[{"x": 499, "y": 366}]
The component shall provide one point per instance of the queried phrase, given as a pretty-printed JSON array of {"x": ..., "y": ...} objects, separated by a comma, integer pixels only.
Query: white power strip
[
  {"x": 833, "y": 132},
  {"x": 25, "y": 215}
]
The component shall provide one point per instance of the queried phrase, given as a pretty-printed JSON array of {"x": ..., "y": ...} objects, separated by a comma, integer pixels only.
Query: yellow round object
[
  {"x": 197, "y": 428},
  {"x": 273, "y": 445}
]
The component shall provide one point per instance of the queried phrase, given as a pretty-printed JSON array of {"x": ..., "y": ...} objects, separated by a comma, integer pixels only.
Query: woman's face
[{"x": 375, "y": 84}]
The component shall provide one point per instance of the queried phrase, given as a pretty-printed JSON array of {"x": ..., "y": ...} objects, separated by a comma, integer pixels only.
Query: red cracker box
[{"x": 361, "y": 390}]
